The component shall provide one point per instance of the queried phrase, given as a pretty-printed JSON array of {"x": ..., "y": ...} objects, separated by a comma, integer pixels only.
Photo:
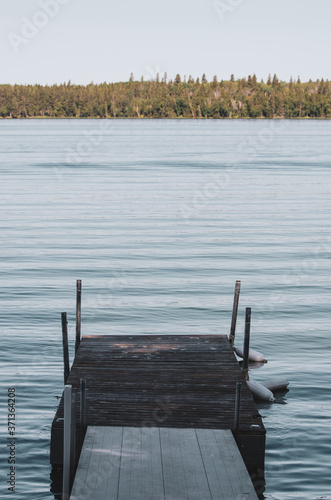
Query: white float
[
  {"x": 259, "y": 391},
  {"x": 252, "y": 355},
  {"x": 276, "y": 384}
]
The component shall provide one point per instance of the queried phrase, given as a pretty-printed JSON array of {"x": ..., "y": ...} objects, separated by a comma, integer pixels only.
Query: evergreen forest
[{"x": 160, "y": 98}]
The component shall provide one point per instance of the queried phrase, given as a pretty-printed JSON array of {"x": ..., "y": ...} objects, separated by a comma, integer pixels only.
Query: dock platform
[
  {"x": 182, "y": 382},
  {"x": 150, "y": 463}
]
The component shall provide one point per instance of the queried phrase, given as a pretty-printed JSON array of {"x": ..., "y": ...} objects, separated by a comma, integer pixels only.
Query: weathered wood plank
[
  {"x": 109, "y": 467},
  {"x": 184, "y": 474},
  {"x": 234, "y": 465},
  {"x": 141, "y": 471},
  {"x": 130, "y": 379},
  {"x": 84, "y": 460},
  {"x": 224, "y": 466},
  {"x": 98, "y": 468},
  {"x": 124, "y": 463}
]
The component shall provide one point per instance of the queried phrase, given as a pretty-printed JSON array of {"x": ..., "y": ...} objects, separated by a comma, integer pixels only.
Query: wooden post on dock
[
  {"x": 65, "y": 346},
  {"x": 67, "y": 442},
  {"x": 82, "y": 406},
  {"x": 235, "y": 311},
  {"x": 237, "y": 410},
  {"x": 78, "y": 313},
  {"x": 246, "y": 341}
]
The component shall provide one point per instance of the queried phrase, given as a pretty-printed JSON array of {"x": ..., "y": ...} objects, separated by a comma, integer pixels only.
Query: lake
[{"x": 159, "y": 218}]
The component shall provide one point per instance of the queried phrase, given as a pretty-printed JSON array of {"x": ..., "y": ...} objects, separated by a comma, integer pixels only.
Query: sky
[{"x": 54, "y": 41}]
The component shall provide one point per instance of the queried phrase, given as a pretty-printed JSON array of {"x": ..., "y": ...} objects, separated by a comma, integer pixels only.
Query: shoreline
[{"x": 262, "y": 118}]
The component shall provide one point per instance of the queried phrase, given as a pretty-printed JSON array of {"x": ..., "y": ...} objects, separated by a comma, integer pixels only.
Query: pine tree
[
  {"x": 178, "y": 79},
  {"x": 275, "y": 81},
  {"x": 215, "y": 82}
]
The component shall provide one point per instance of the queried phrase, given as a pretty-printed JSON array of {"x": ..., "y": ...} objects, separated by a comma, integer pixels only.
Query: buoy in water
[
  {"x": 259, "y": 391},
  {"x": 254, "y": 365},
  {"x": 252, "y": 355},
  {"x": 276, "y": 384}
]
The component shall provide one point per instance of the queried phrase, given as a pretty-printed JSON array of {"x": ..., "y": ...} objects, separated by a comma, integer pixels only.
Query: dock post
[
  {"x": 237, "y": 410},
  {"x": 78, "y": 312},
  {"x": 82, "y": 406},
  {"x": 73, "y": 439},
  {"x": 246, "y": 341},
  {"x": 65, "y": 346},
  {"x": 67, "y": 441},
  {"x": 235, "y": 311}
]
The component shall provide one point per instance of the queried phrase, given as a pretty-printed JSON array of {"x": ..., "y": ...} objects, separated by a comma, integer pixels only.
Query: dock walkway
[
  {"x": 166, "y": 387},
  {"x": 168, "y": 380},
  {"x": 150, "y": 463}
]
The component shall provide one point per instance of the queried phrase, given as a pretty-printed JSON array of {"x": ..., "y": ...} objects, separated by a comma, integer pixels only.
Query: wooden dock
[
  {"x": 163, "y": 381},
  {"x": 150, "y": 463}
]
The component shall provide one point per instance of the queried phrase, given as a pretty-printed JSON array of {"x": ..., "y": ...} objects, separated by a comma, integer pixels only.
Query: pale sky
[{"x": 52, "y": 41}]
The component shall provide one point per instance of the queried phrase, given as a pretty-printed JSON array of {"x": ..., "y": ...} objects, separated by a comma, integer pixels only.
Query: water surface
[{"x": 159, "y": 218}]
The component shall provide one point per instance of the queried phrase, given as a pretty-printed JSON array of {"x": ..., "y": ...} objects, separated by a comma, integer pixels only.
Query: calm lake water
[{"x": 159, "y": 219}]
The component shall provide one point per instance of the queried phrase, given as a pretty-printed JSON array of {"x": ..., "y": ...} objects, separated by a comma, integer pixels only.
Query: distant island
[{"x": 160, "y": 98}]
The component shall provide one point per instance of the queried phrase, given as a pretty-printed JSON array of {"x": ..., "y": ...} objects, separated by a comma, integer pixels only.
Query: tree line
[{"x": 178, "y": 98}]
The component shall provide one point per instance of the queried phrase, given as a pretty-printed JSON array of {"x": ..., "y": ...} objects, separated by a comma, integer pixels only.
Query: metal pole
[
  {"x": 235, "y": 311},
  {"x": 78, "y": 312},
  {"x": 65, "y": 346},
  {"x": 73, "y": 439},
  {"x": 67, "y": 440},
  {"x": 237, "y": 409},
  {"x": 246, "y": 342}
]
